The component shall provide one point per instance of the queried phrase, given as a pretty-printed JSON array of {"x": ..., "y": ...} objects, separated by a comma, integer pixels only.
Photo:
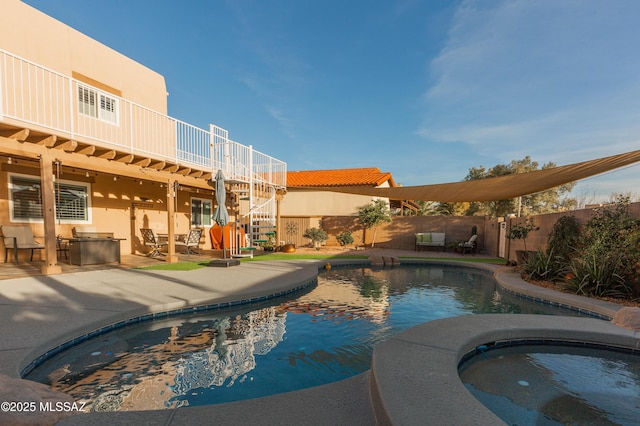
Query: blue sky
[{"x": 423, "y": 89}]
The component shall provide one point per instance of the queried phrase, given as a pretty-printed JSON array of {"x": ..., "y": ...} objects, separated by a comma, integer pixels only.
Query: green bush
[
  {"x": 564, "y": 238},
  {"x": 345, "y": 238},
  {"x": 316, "y": 235}
]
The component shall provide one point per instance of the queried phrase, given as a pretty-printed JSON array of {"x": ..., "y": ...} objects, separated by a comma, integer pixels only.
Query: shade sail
[{"x": 497, "y": 188}]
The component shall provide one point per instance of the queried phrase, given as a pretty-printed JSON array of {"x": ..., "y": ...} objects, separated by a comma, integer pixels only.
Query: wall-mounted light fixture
[{"x": 9, "y": 160}]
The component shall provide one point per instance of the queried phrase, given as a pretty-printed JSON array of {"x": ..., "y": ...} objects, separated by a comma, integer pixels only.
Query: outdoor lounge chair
[
  {"x": 18, "y": 237},
  {"x": 192, "y": 242},
  {"x": 469, "y": 246},
  {"x": 150, "y": 239}
]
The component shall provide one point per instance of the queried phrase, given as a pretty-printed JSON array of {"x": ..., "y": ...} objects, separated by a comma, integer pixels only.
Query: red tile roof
[{"x": 371, "y": 176}]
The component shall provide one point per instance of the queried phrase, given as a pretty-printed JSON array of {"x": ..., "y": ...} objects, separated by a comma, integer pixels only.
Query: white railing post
[
  {"x": 251, "y": 230},
  {"x": 72, "y": 121},
  {"x": 211, "y": 150},
  {"x": 2, "y": 81},
  {"x": 130, "y": 127}
]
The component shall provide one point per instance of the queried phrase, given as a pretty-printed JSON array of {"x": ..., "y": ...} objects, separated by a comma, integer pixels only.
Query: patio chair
[
  {"x": 150, "y": 239},
  {"x": 18, "y": 237},
  {"x": 192, "y": 242},
  {"x": 469, "y": 246}
]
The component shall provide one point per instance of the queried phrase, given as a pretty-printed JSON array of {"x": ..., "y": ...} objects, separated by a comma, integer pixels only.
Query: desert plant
[
  {"x": 595, "y": 275},
  {"x": 345, "y": 238},
  {"x": 606, "y": 264},
  {"x": 544, "y": 265},
  {"x": 316, "y": 235}
]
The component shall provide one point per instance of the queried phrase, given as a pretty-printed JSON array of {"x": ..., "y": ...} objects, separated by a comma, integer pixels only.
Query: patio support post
[
  {"x": 47, "y": 190},
  {"x": 279, "y": 198},
  {"x": 172, "y": 193}
]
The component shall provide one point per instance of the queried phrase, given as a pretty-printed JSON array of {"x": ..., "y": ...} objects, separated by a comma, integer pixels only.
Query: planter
[{"x": 288, "y": 248}]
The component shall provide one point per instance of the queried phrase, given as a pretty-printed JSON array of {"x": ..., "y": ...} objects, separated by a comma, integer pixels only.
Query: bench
[
  {"x": 19, "y": 237},
  {"x": 430, "y": 239}
]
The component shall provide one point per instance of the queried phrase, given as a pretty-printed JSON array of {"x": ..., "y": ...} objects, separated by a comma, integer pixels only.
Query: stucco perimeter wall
[
  {"x": 400, "y": 233},
  {"x": 538, "y": 239},
  {"x": 37, "y": 37}
]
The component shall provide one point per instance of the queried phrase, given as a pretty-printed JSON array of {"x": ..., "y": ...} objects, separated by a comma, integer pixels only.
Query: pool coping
[{"x": 391, "y": 383}]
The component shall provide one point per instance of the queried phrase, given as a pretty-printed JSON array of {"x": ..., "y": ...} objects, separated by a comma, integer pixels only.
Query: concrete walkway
[{"x": 41, "y": 312}]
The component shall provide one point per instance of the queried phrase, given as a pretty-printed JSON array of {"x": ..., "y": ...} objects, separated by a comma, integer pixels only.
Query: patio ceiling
[{"x": 498, "y": 188}]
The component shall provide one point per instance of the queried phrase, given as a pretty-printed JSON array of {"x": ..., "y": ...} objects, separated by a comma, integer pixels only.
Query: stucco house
[
  {"x": 85, "y": 140},
  {"x": 306, "y": 204}
]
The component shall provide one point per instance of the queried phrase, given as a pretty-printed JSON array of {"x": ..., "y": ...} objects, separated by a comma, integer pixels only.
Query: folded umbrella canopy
[
  {"x": 220, "y": 215},
  {"x": 497, "y": 188}
]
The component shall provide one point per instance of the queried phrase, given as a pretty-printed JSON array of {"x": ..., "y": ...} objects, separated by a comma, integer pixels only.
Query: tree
[
  {"x": 373, "y": 214},
  {"x": 551, "y": 200}
]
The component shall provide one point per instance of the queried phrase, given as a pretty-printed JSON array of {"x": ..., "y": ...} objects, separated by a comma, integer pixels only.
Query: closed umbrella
[{"x": 220, "y": 215}]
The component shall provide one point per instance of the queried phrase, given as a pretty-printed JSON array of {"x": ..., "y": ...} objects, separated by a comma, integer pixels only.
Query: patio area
[{"x": 24, "y": 269}]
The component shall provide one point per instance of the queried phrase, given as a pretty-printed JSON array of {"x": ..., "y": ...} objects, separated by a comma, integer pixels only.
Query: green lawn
[{"x": 188, "y": 266}]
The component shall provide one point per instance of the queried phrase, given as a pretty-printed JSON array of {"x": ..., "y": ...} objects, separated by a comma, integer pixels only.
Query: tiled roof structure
[{"x": 371, "y": 176}]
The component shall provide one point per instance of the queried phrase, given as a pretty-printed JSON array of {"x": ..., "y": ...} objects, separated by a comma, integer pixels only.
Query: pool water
[
  {"x": 557, "y": 385},
  {"x": 317, "y": 337}
]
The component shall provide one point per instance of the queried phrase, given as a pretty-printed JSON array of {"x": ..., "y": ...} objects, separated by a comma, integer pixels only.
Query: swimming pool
[{"x": 318, "y": 337}]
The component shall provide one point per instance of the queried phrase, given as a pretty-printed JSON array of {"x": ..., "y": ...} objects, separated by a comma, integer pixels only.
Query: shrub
[
  {"x": 545, "y": 266},
  {"x": 595, "y": 275},
  {"x": 607, "y": 260},
  {"x": 316, "y": 235},
  {"x": 564, "y": 238},
  {"x": 345, "y": 238}
]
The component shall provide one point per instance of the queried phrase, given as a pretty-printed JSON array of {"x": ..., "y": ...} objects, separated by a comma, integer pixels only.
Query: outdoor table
[
  {"x": 91, "y": 251},
  {"x": 176, "y": 237}
]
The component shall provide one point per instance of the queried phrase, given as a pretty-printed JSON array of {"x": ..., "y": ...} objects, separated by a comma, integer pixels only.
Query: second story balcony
[{"x": 92, "y": 120}]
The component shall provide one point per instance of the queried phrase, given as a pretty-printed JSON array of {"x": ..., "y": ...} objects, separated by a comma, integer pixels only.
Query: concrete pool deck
[{"x": 39, "y": 313}]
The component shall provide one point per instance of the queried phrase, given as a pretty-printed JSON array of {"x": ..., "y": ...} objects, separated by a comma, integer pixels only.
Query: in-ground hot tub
[
  {"x": 555, "y": 382},
  {"x": 415, "y": 375}
]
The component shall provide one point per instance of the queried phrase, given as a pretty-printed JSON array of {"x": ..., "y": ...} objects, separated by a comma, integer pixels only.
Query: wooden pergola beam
[
  {"x": 124, "y": 158},
  {"x": 107, "y": 154},
  {"x": 20, "y": 135},
  {"x": 100, "y": 165}
]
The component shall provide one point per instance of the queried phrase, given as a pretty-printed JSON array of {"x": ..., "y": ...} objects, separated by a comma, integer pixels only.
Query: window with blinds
[
  {"x": 71, "y": 200},
  {"x": 26, "y": 197},
  {"x": 97, "y": 105}
]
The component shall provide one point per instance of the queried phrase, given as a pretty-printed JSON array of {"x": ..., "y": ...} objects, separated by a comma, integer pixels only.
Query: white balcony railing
[{"x": 33, "y": 94}]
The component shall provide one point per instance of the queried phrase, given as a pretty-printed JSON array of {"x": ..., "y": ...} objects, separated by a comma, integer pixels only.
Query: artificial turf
[{"x": 188, "y": 266}]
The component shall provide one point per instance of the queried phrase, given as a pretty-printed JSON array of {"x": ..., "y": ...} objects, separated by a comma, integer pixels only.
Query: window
[
  {"x": 71, "y": 200},
  {"x": 200, "y": 212},
  {"x": 97, "y": 105}
]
